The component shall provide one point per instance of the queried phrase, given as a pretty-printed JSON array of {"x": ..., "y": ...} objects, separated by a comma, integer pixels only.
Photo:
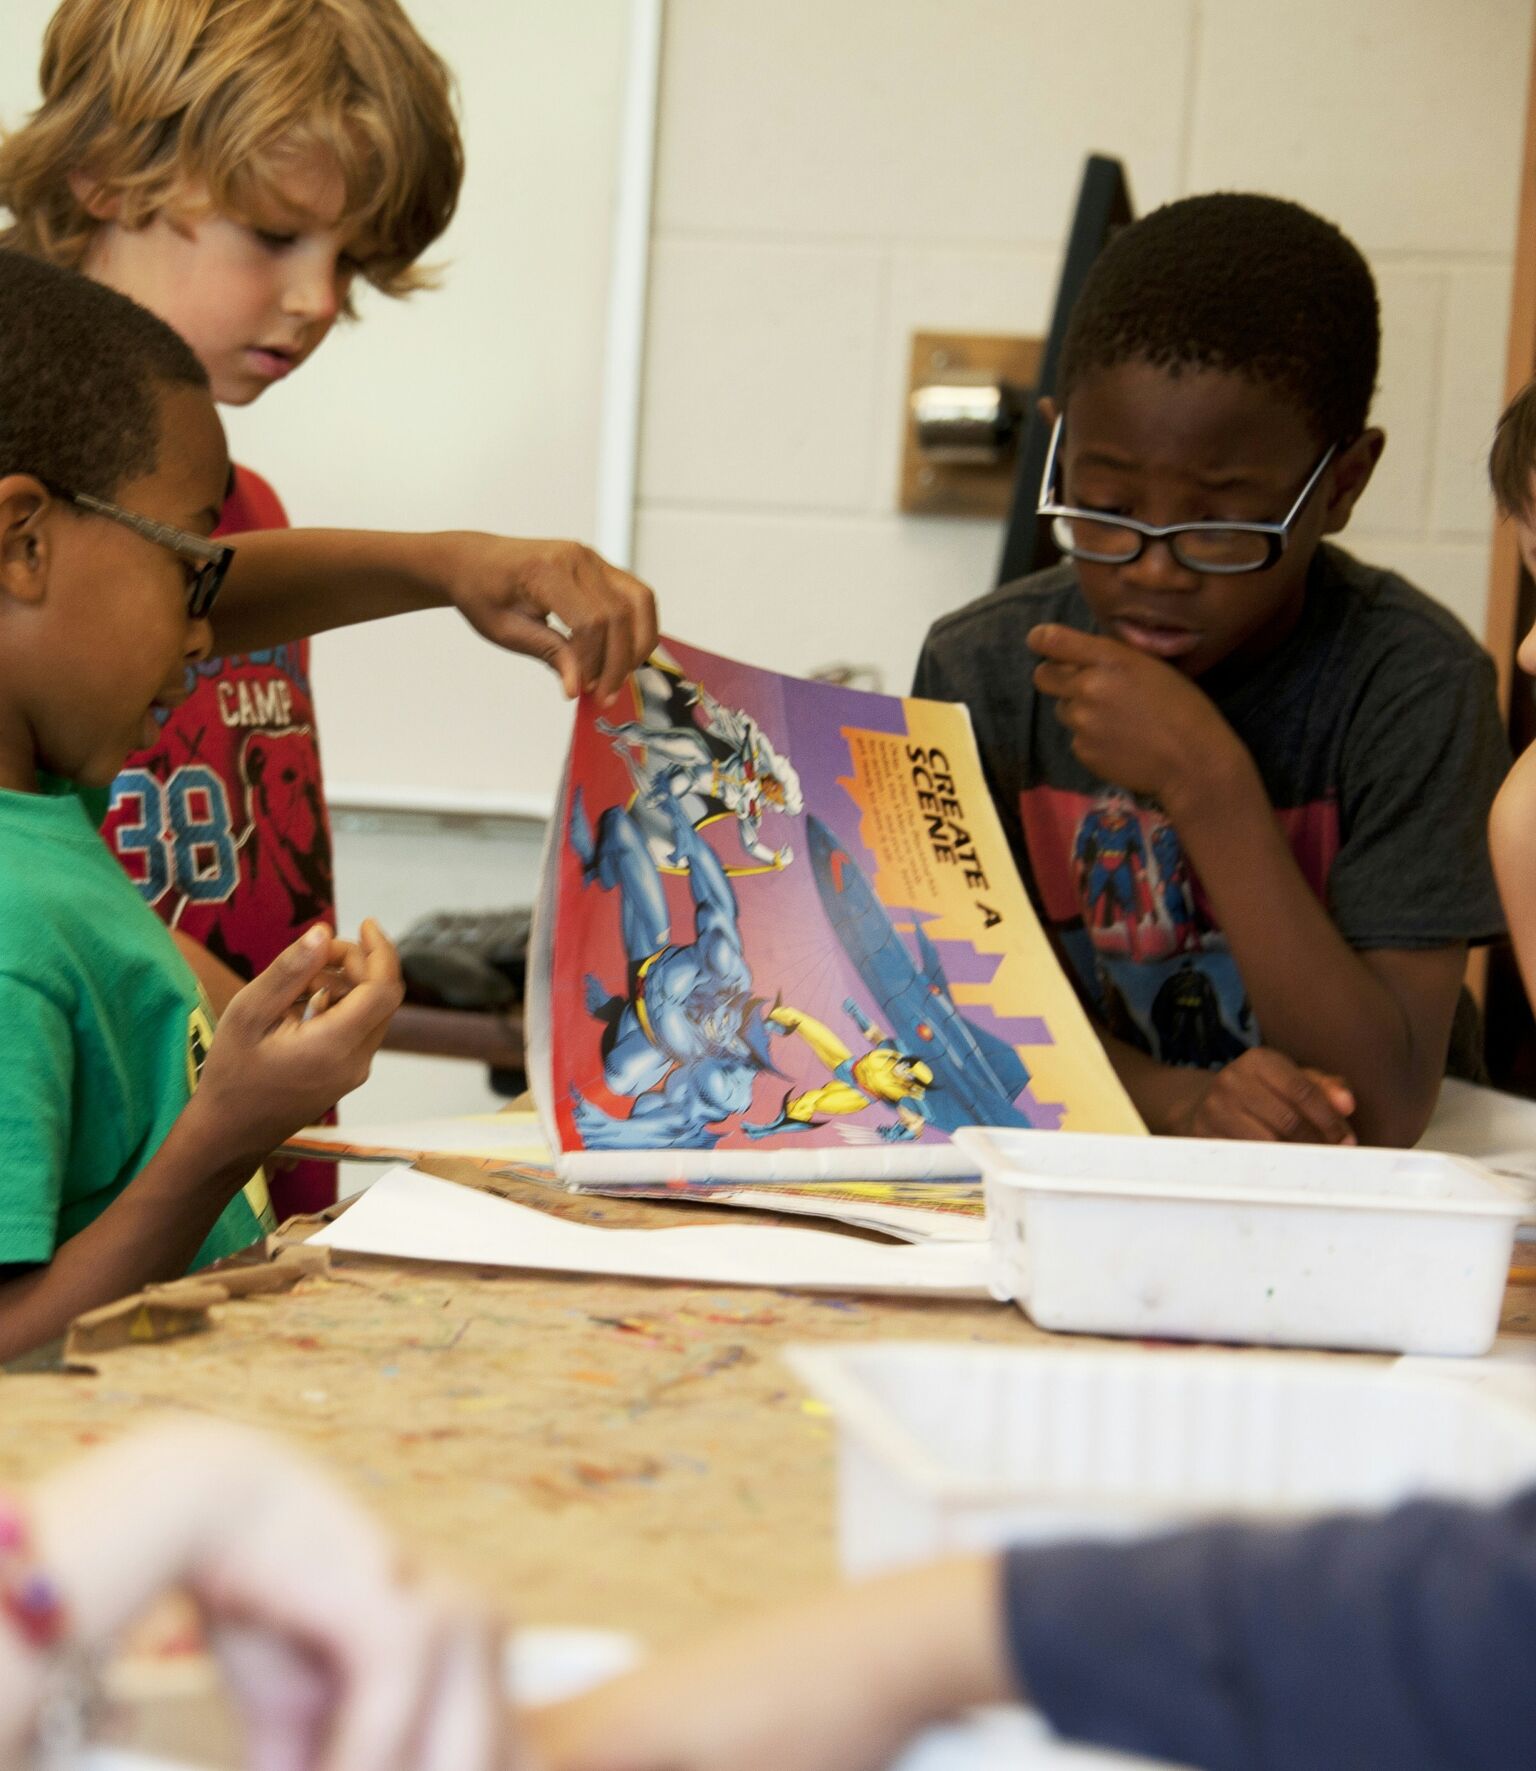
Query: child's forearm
[
  {"x": 839, "y": 1684},
  {"x": 557, "y": 601},
  {"x": 1380, "y": 1021},
  {"x": 286, "y": 584},
  {"x": 964, "y": 1660},
  {"x": 149, "y": 1233}
]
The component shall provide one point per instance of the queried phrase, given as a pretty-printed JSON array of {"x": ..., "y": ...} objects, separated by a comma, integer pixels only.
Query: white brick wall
[{"x": 835, "y": 174}]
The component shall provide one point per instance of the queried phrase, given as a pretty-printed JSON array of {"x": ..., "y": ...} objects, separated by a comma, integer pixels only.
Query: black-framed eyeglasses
[
  {"x": 209, "y": 559},
  {"x": 1216, "y": 549}
]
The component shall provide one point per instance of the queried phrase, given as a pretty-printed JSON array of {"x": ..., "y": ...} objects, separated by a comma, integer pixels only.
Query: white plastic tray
[
  {"x": 947, "y": 1447},
  {"x": 1286, "y": 1244}
]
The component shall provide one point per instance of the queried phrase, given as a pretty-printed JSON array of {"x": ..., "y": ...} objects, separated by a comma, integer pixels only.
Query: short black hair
[
  {"x": 1254, "y": 285},
  {"x": 81, "y": 372}
]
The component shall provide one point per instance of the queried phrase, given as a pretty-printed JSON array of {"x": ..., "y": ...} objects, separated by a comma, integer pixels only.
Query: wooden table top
[{"x": 624, "y": 1454}]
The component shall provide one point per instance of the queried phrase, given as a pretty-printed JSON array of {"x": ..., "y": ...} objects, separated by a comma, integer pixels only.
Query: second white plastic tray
[{"x": 949, "y": 1447}]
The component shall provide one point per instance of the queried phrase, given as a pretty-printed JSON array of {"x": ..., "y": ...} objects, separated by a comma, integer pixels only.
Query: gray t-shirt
[{"x": 1376, "y": 730}]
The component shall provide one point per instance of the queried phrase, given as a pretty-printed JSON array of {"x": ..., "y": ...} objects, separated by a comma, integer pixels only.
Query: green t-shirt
[{"x": 103, "y": 1030}]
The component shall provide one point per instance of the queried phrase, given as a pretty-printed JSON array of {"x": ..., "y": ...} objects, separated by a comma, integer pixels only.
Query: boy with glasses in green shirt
[
  {"x": 131, "y": 1138},
  {"x": 1246, "y": 776}
]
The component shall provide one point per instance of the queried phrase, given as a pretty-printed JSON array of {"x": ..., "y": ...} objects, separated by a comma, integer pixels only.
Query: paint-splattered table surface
[{"x": 625, "y": 1454}]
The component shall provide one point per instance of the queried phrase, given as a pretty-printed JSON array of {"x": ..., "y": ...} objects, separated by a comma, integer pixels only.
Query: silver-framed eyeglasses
[
  {"x": 209, "y": 560},
  {"x": 1215, "y": 549}
]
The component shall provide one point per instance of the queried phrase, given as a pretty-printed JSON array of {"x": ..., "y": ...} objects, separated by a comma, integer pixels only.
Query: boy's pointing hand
[
  {"x": 558, "y": 601},
  {"x": 1135, "y": 720}
]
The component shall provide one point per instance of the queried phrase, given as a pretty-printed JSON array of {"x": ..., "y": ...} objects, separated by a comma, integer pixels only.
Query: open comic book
[{"x": 781, "y": 938}]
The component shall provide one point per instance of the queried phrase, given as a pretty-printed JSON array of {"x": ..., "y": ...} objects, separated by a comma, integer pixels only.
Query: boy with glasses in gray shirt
[{"x": 1246, "y": 777}]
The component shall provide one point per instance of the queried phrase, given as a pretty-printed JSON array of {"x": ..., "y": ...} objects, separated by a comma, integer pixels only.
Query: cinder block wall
[{"x": 834, "y": 174}]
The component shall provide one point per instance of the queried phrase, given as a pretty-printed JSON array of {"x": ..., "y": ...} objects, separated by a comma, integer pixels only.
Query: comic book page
[{"x": 782, "y": 937}]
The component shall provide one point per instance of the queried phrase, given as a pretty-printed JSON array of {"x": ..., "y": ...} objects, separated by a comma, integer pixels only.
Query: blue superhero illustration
[
  {"x": 974, "y": 1076},
  {"x": 716, "y": 760},
  {"x": 687, "y": 1039},
  {"x": 883, "y": 1073},
  {"x": 1110, "y": 861},
  {"x": 1178, "y": 886}
]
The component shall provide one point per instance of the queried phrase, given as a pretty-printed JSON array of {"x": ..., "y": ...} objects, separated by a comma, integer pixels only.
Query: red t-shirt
[{"x": 222, "y": 823}]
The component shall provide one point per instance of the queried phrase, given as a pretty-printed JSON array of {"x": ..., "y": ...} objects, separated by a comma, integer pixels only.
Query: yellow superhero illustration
[{"x": 883, "y": 1073}]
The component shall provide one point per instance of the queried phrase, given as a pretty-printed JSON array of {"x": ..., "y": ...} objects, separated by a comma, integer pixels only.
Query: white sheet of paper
[
  {"x": 411, "y": 1216},
  {"x": 1470, "y": 1120}
]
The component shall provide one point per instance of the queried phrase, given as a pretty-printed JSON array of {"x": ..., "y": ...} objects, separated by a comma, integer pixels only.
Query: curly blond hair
[{"x": 146, "y": 101}]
